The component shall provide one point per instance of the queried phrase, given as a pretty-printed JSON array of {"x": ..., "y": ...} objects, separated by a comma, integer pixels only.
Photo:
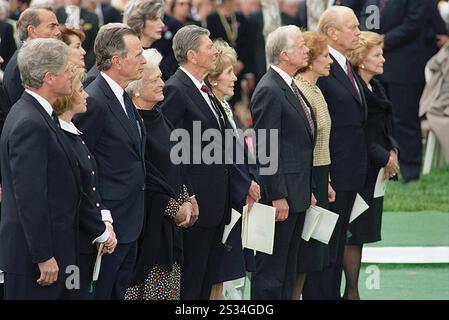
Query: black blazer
[
  {"x": 121, "y": 169},
  {"x": 275, "y": 106},
  {"x": 12, "y": 82},
  {"x": 403, "y": 22},
  {"x": 89, "y": 25},
  {"x": 41, "y": 192},
  {"x": 7, "y": 44},
  {"x": 347, "y": 141},
  {"x": 183, "y": 105},
  {"x": 91, "y": 223},
  {"x": 110, "y": 14},
  {"x": 379, "y": 132}
]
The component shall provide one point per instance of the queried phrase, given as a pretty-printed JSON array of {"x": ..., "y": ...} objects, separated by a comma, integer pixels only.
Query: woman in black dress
[
  {"x": 160, "y": 249},
  {"x": 382, "y": 152},
  {"x": 95, "y": 220}
]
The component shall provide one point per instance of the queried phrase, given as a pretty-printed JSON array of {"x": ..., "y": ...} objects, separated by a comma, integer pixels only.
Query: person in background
[
  {"x": 74, "y": 39},
  {"x": 313, "y": 255},
  {"x": 368, "y": 59},
  {"x": 157, "y": 275},
  {"x": 32, "y": 24},
  {"x": 182, "y": 11}
]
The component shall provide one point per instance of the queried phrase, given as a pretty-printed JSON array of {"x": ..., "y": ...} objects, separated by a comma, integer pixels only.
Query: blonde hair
[
  {"x": 367, "y": 41},
  {"x": 226, "y": 57},
  {"x": 63, "y": 104}
]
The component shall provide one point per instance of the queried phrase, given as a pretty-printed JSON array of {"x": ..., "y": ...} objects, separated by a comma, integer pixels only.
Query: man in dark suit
[
  {"x": 7, "y": 43},
  {"x": 39, "y": 223},
  {"x": 347, "y": 107},
  {"x": 32, "y": 24},
  {"x": 403, "y": 22},
  {"x": 115, "y": 134},
  {"x": 188, "y": 105},
  {"x": 83, "y": 19},
  {"x": 277, "y": 104}
]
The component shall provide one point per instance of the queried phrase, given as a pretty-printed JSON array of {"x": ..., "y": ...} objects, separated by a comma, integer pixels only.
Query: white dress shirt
[
  {"x": 341, "y": 59},
  {"x": 117, "y": 89},
  {"x": 42, "y": 101},
  {"x": 204, "y": 94},
  {"x": 73, "y": 16}
]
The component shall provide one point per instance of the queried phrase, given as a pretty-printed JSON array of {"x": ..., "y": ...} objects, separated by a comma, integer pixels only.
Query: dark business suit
[
  {"x": 7, "y": 44},
  {"x": 183, "y": 105},
  {"x": 12, "y": 82},
  {"x": 110, "y": 14},
  {"x": 403, "y": 22},
  {"x": 109, "y": 136},
  {"x": 89, "y": 25},
  {"x": 39, "y": 215},
  {"x": 275, "y": 106},
  {"x": 348, "y": 166}
]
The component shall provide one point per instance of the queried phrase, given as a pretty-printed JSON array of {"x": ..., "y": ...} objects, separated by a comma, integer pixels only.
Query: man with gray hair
[
  {"x": 277, "y": 104},
  {"x": 347, "y": 107},
  {"x": 40, "y": 181},
  {"x": 189, "y": 100},
  {"x": 33, "y": 24},
  {"x": 115, "y": 134}
]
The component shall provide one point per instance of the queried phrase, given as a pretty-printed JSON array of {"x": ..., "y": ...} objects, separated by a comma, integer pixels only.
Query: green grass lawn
[{"x": 431, "y": 192}]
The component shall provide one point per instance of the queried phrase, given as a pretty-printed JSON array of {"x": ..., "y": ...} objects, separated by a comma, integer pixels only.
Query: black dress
[
  {"x": 367, "y": 227},
  {"x": 91, "y": 224},
  {"x": 160, "y": 248}
]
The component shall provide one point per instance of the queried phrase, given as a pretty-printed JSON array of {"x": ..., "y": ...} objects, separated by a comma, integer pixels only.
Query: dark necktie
[
  {"x": 304, "y": 107},
  {"x": 218, "y": 113},
  {"x": 352, "y": 78},
  {"x": 55, "y": 119},
  {"x": 129, "y": 106}
]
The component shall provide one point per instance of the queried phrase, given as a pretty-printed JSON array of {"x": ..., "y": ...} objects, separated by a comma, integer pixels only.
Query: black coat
[
  {"x": 275, "y": 106},
  {"x": 404, "y": 24},
  {"x": 110, "y": 14},
  {"x": 12, "y": 82},
  {"x": 89, "y": 25},
  {"x": 347, "y": 141},
  {"x": 7, "y": 44},
  {"x": 121, "y": 170},
  {"x": 39, "y": 214},
  {"x": 183, "y": 105}
]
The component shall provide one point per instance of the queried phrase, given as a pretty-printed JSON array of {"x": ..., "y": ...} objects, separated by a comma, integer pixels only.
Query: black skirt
[{"x": 314, "y": 255}]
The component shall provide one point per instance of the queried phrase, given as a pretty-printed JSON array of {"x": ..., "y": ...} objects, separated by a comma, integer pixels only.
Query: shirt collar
[
  {"x": 284, "y": 75},
  {"x": 195, "y": 80},
  {"x": 42, "y": 101},
  {"x": 69, "y": 127},
  {"x": 341, "y": 59},
  {"x": 115, "y": 87}
]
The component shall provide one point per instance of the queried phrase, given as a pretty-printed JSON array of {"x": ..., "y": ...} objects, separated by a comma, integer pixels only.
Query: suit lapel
[
  {"x": 119, "y": 113},
  {"x": 59, "y": 135},
  {"x": 197, "y": 98},
  {"x": 291, "y": 98},
  {"x": 338, "y": 73}
]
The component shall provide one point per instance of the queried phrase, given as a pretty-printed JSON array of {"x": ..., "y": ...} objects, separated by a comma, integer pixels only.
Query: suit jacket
[
  {"x": 12, "y": 82},
  {"x": 120, "y": 160},
  {"x": 89, "y": 25},
  {"x": 347, "y": 140},
  {"x": 39, "y": 214},
  {"x": 183, "y": 105},
  {"x": 7, "y": 44},
  {"x": 275, "y": 106},
  {"x": 403, "y": 22}
]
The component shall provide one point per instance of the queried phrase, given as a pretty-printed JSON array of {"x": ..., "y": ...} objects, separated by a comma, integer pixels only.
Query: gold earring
[
  {"x": 362, "y": 66},
  {"x": 214, "y": 84},
  {"x": 137, "y": 94}
]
